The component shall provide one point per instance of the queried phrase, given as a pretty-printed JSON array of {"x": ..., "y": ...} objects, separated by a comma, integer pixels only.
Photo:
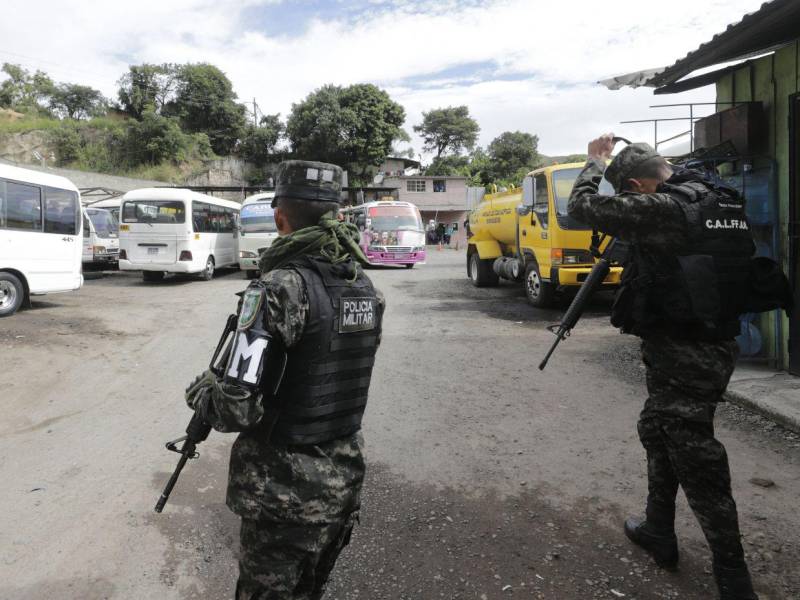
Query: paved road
[{"x": 487, "y": 478}]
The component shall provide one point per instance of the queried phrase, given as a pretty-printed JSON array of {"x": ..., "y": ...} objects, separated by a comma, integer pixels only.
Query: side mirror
[{"x": 528, "y": 191}]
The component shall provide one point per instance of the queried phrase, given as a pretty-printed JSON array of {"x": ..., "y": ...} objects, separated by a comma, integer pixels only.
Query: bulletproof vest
[
  {"x": 699, "y": 290},
  {"x": 324, "y": 390}
]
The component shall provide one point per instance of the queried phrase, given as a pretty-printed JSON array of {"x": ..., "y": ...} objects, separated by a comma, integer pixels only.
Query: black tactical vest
[
  {"x": 699, "y": 292},
  {"x": 324, "y": 390}
]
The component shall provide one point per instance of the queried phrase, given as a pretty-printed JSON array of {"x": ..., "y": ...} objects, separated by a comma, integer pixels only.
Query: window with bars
[{"x": 415, "y": 185}]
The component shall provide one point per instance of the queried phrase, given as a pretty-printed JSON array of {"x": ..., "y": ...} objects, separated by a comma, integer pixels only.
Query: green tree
[
  {"x": 75, "y": 101},
  {"x": 353, "y": 127},
  {"x": 24, "y": 91},
  {"x": 448, "y": 130},
  {"x": 146, "y": 87},
  {"x": 512, "y": 152},
  {"x": 155, "y": 139},
  {"x": 259, "y": 144},
  {"x": 205, "y": 102}
]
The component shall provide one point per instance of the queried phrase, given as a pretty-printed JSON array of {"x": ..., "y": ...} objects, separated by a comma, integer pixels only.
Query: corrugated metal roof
[{"x": 774, "y": 24}]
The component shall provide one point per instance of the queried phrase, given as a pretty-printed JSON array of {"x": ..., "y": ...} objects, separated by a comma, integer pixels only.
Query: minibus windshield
[
  {"x": 105, "y": 225},
  {"x": 563, "y": 181},
  {"x": 394, "y": 218},
  {"x": 153, "y": 211},
  {"x": 257, "y": 218}
]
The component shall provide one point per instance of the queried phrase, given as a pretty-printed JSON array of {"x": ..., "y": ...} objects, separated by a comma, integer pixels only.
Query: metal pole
[
  {"x": 655, "y": 129},
  {"x": 691, "y": 128}
]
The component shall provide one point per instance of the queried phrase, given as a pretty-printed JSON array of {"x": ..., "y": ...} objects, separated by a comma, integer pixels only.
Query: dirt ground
[{"x": 487, "y": 478}]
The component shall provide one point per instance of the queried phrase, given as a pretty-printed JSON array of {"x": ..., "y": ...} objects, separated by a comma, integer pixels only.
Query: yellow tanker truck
[{"x": 525, "y": 234}]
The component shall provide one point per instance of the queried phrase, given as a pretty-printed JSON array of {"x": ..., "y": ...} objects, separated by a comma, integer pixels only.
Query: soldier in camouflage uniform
[
  {"x": 688, "y": 363},
  {"x": 297, "y": 467}
]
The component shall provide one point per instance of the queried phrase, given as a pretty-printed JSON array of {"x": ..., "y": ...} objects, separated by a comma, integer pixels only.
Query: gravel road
[{"x": 487, "y": 478}]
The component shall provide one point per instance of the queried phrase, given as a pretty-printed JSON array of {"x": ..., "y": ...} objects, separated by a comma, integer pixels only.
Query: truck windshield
[
  {"x": 153, "y": 211},
  {"x": 563, "y": 181},
  {"x": 394, "y": 218},
  {"x": 105, "y": 225},
  {"x": 258, "y": 218}
]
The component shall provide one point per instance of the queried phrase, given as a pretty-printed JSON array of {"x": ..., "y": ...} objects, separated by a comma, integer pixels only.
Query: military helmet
[
  {"x": 624, "y": 163},
  {"x": 308, "y": 180}
]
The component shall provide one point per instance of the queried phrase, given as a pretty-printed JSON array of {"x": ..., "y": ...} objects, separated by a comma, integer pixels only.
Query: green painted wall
[{"x": 771, "y": 80}]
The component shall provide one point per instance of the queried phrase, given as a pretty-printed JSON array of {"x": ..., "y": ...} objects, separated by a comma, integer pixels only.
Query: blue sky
[{"x": 527, "y": 65}]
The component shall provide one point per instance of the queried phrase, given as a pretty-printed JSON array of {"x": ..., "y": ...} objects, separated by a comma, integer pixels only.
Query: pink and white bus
[{"x": 391, "y": 232}]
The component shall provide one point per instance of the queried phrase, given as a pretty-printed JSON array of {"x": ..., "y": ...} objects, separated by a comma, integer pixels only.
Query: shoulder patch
[
  {"x": 251, "y": 304},
  {"x": 357, "y": 314}
]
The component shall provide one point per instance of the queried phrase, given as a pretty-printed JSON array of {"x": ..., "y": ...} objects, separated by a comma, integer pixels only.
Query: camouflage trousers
[
  {"x": 289, "y": 560},
  {"x": 685, "y": 381}
]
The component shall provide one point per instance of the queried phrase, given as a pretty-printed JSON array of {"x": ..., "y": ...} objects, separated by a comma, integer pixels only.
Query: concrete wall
[{"x": 771, "y": 80}]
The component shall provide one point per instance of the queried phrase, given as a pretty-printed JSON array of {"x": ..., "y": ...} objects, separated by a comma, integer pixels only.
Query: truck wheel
[
  {"x": 207, "y": 274},
  {"x": 481, "y": 272},
  {"x": 152, "y": 276},
  {"x": 12, "y": 293},
  {"x": 540, "y": 293}
]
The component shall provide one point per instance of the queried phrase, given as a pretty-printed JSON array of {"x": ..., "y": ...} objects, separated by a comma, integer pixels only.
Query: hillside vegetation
[{"x": 168, "y": 120}]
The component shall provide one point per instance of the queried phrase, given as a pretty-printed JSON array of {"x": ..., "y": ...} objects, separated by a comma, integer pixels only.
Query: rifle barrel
[{"x": 186, "y": 451}]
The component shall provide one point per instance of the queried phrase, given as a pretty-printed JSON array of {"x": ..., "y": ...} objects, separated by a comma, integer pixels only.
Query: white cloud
[{"x": 556, "y": 49}]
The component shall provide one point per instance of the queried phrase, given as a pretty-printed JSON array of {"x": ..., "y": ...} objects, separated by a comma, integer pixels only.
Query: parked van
[
  {"x": 100, "y": 237},
  {"x": 525, "y": 234},
  {"x": 257, "y": 231},
  {"x": 40, "y": 236},
  {"x": 172, "y": 230}
]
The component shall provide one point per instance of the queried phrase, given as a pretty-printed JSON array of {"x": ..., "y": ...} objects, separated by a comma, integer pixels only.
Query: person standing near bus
[{"x": 297, "y": 467}]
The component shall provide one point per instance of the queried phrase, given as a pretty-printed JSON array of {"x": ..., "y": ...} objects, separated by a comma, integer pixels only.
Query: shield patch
[{"x": 251, "y": 304}]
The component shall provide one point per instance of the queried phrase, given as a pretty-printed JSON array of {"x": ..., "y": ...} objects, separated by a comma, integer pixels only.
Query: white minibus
[
  {"x": 172, "y": 230},
  {"x": 100, "y": 241},
  {"x": 256, "y": 231},
  {"x": 40, "y": 236}
]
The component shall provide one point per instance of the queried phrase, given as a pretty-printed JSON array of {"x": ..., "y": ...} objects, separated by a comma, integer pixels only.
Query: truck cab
[{"x": 525, "y": 234}]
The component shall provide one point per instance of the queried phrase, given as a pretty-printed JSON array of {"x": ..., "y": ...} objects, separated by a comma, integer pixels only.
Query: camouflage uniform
[
  {"x": 298, "y": 503},
  {"x": 685, "y": 378}
]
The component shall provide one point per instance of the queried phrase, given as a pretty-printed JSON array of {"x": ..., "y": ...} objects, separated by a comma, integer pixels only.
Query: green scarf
[{"x": 332, "y": 239}]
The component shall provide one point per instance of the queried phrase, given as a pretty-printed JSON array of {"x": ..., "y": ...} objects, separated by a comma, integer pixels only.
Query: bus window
[
  {"x": 24, "y": 207},
  {"x": 153, "y": 211},
  {"x": 258, "y": 217},
  {"x": 105, "y": 225},
  {"x": 61, "y": 211}
]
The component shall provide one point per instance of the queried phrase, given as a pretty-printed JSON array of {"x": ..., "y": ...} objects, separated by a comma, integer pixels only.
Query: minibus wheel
[
  {"x": 409, "y": 265},
  {"x": 540, "y": 293},
  {"x": 208, "y": 272},
  {"x": 251, "y": 274},
  {"x": 12, "y": 293}
]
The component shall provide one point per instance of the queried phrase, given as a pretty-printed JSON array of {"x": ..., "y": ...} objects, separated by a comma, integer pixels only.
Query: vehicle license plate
[
  {"x": 152, "y": 250},
  {"x": 402, "y": 256}
]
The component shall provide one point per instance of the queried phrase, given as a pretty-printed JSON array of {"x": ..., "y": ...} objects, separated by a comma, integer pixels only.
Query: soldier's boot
[
  {"x": 661, "y": 544},
  {"x": 734, "y": 584}
]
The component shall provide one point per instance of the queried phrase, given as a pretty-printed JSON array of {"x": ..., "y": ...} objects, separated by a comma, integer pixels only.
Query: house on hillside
[{"x": 753, "y": 138}]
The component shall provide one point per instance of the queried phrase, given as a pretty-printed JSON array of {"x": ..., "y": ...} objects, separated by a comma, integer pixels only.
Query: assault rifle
[
  {"x": 197, "y": 431},
  {"x": 615, "y": 252}
]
